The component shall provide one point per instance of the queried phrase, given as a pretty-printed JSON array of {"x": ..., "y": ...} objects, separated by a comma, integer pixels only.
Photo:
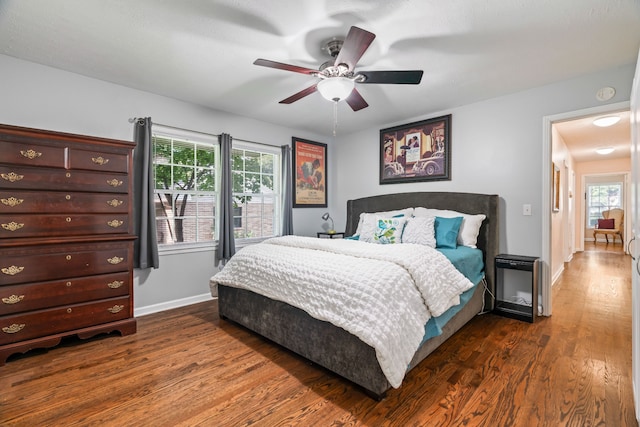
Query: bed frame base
[
  {"x": 340, "y": 352},
  {"x": 337, "y": 350}
]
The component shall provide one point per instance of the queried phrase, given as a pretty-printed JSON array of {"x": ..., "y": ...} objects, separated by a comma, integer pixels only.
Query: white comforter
[{"x": 383, "y": 294}]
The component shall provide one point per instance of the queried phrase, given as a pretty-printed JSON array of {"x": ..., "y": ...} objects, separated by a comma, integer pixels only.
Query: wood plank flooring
[{"x": 186, "y": 367}]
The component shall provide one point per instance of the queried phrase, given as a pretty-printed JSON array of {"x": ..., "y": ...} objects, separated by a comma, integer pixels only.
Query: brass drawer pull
[
  {"x": 115, "y": 260},
  {"x": 68, "y": 197},
  {"x": 12, "y": 271},
  {"x": 13, "y": 299},
  {"x": 12, "y": 226},
  {"x": 114, "y": 182},
  {"x": 30, "y": 154},
  {"x": 68, "y": 219},
  {"x": 115, "y": 309},
  {"x": 115, "y": 223},
  {"x": 115, "y": 284},
  {"x": 68, "y": 174},
  {"x": 99, "y": 160},
  {"x": 68, "y": 257},
  {"x": 11, "y": 201},
  {"x": 13, "y": 328},
  {"x": 114, "y": 203},
  {"x": 11, "y": 176},
  {"x": 69, "y": 310}
]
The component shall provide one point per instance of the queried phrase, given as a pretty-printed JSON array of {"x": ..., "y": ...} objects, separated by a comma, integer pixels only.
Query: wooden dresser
[{"x": 66, "y": 238}]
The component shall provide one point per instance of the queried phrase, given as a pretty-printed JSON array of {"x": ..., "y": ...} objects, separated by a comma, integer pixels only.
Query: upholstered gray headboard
[{"x": 470, "y": 203}]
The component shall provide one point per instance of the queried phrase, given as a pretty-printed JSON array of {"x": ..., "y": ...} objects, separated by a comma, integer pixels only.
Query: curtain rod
[
  {"x": 139, "y": 120},
  {"x": 259, "y": 143}
]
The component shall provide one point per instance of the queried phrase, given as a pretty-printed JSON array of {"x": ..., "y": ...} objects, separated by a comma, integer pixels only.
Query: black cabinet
[
  {"x": 327, "y": 235},
  {"x": 517, "y": 286}
]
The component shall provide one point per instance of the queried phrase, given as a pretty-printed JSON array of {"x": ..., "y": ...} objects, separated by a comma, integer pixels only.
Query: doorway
[{"x": 573, "y": 158}]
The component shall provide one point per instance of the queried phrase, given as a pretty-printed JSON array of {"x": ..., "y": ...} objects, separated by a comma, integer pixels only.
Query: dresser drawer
[
  {"x": 23, "y": 326},
  {"x": 16, "y": 226},
  {"x": 32, "y": 154},
  {"x": 63, "y": 202},
  {"x": 26, "y": 178},
  {"x": 99, "y": 161},
  {"x": 52, "y": 262},
  {"x": 34, "y": 296}
]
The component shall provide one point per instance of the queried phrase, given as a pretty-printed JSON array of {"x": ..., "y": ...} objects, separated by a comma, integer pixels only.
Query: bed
[{"x": 332, "y": 346}]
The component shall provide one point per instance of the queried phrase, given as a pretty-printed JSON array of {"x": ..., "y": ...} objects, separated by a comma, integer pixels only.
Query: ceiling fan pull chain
[{"x": 335, "y": 117}]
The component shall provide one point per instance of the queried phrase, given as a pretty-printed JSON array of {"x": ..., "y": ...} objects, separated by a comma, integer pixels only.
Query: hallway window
[{"x": 602, "y": 197}]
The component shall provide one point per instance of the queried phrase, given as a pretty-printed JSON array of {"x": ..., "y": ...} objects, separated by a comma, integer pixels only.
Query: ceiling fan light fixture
[
  {"x": 606, "y": 121},
  {"x": 604, "y": 150},
  {"x": 336, "y": 88}
]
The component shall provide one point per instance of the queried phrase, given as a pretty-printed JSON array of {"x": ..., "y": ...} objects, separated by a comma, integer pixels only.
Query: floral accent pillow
[
  {"x": 366, "y": 218},
  {"x": 389, "y": 230}
]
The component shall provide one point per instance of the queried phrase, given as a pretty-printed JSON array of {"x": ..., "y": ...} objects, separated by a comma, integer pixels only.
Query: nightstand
[
  {"x": 517, "y": 286},
  {"x": 325, "y": 235}
]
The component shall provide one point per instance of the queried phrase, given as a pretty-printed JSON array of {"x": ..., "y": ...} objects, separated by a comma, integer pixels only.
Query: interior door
[{"x": 634, "y": 245}]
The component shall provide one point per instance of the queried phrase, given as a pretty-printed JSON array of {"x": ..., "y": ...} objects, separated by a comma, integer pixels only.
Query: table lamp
[{"x": 326, "y": 217}]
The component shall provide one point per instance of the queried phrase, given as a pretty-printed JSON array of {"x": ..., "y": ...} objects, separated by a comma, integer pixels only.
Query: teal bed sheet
[{"x": 469, "y": 262}]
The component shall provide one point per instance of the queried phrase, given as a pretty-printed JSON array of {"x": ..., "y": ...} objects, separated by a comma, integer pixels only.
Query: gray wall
[
  {"x": 496, "y": 148},
  {"x": 43, "y": 97}
]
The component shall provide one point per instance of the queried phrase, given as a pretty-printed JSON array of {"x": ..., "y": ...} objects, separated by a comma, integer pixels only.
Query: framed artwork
[
  {"x": 419, "y": 151},
  {"x": 556, "y": 188},
  {"x": 309, "y": 173}
]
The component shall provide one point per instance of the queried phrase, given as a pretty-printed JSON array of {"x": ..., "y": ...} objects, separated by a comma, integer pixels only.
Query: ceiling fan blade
[
  {"x": 354, "y": 46},
  {"x": 409, "y": 77},
  {"x": 299, "y": 95},
  {"x": 286, "y": 67},
  {"x": 356, "y": 101}
]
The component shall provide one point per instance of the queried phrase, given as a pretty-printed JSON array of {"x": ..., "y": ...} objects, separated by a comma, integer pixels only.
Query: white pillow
[
  {"x": 383, "y": 230},
  {"x": 387, "y": 214},
  {"x": 420, "y": 230},
  {"x": 469, "y": 230}
]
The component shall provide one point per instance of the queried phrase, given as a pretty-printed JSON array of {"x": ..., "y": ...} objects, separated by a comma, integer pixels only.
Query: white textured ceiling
[
  {"x": 583, "y": 138},
  {"x": 201, "y": 51}
]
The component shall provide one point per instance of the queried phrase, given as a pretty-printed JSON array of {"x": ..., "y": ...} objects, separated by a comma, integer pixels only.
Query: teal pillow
[
  {"x": 354, "y": 237},
  {"x": 446, "y": 230}
]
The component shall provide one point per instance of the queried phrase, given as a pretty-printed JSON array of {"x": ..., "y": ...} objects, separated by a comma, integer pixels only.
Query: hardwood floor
[{"x": 185, "y": 367}]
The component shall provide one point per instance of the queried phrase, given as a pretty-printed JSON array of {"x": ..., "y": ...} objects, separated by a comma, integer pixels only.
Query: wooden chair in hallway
[{"x": 617, "y": 215}]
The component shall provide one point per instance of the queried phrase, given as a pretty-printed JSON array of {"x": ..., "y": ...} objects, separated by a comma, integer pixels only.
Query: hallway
[{"x": 592, "y": 313}]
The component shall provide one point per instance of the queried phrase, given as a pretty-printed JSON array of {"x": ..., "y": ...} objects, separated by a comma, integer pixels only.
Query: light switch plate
[{"x": 526, "y": 210}]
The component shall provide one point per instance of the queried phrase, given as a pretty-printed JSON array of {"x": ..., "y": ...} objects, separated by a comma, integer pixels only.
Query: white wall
[
  {"x": 496, "y": 149},
  {"x": 42, "y": 97},
  {"x": 562, "y": 221}
]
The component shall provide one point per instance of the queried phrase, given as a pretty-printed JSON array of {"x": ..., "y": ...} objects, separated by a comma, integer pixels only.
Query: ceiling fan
[{"x": 338, "y": 79}]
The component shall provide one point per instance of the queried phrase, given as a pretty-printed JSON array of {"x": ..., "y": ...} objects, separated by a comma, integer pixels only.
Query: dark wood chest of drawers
[{"x": 66, "y": 238}]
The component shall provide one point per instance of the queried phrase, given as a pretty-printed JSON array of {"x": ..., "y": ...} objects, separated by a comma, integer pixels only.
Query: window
[
  {"x": 185, "y": 189},
  {"x": 255, "y": 193},
  {"x": 186, "y": 173},
  {"x": 602, "y": 197}
]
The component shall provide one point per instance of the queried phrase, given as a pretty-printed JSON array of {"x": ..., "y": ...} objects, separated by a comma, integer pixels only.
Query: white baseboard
[
  {"x": 557, "y": 275},
  {"x": 155, "y": 308}
]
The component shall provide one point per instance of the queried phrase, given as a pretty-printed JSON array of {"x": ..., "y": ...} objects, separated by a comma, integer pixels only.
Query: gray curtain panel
[
  {"x": 145, "y": 252},
  {"x": 226, "y": 239},
  {"x": 287, "y": 201}
]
